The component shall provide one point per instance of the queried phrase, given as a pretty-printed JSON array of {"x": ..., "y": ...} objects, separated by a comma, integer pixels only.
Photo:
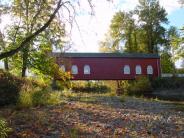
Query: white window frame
[
  {"x": 126, "y": 69},
  {"x": 63, "y": 68},
  {"x": 74, "y": 69},
  {"x": 87, "y": 69},
  {"x": 138, "y": 70},
  {"x": 149, "y": 70}
]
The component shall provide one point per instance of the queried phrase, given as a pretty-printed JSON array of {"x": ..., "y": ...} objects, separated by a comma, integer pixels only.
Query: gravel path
[{"x": 100, "y": 116}]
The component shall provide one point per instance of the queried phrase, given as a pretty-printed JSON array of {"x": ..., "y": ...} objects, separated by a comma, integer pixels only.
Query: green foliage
[
  {"x": 46, "y": 97},
  {"x": 140, "y": 86},
  {"x": 123, "y": 28},
  {"x": 167, "y": 66},
  {"x": 68, "y": 94},
  {"x": 180, "y": 70},
  {"x": 112, "y": 85},
  {"x": 38, "y": 97},
  {"x": 34, "y": 56},
  {"x": 168, "y": 83},
  {"x": 127, "y": 36},
  {"x": 173, "y": 47},
  {"x": 94, "y": 87},
  {"x": 151, "y": 17},
  {"x": 4, "y": 129},
  {"x": 25, "y": 97},
  {"x": 74, "y": 133},
  {"x": 11, "y": 86}
]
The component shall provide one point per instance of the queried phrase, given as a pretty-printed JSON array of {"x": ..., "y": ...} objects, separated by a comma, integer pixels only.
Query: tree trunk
[
  {"x": 6, "y": 65},
  {"x": 54, "y": 84},
  {"x": 119, "y": 91},
  {"x": 130, "y": 41},
  {"x": 25, "y": 60},
  {"x": 135, "y": 42}
]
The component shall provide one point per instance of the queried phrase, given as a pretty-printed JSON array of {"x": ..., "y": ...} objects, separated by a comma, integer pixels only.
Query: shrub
[
  {"x": 38, "y": 97},
  {"x": 25, "y": 97},
  {"x": 168, "y": 83},
  {"x": 46, "y": 97},
  {"x": 140, "y": 86},
  {"x": 9, "y": 88},
  {"x": 94, "y": 87},
  {"x": 54, "y": 98},
  {"x": 126, "y": 85},
  {"x": 4, "y": 129}
]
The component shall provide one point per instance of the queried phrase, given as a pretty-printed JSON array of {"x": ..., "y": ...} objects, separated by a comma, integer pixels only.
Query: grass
[
  {"x": 4, "y": 129},
  {"x": 179, "y": 106},
  {"x": 38, "y": 97},
  {"x": 30, "y": 97},
  {"x": 74, "y": 133}
]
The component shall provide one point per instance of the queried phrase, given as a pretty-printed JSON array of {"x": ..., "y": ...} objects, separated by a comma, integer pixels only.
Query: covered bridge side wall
[{"x": 109, "y": 68}]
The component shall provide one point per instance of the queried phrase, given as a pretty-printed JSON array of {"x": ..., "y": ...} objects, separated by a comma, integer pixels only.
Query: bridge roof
[{"x": 111, "y": 55}]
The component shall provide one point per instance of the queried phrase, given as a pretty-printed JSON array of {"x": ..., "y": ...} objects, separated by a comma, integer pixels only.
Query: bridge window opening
[
  {"x": 138, "y": 70},
  {"x": 126, "y": 69},
  {"x": 86, "y": 69},
  {"x": 149, "y": 70},
  {"x": 63, "y": 68},
  {"x": 74, "y": 69}
]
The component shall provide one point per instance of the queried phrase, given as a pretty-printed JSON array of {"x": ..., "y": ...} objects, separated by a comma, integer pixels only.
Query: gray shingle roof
[{"x": 112, "y": 55}]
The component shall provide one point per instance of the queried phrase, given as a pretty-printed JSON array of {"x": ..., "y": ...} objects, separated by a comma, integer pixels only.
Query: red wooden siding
[{"x": 109, "y": 68}]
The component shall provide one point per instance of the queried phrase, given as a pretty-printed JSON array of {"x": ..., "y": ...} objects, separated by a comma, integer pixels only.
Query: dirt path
[{"x": 99, "y": 116}]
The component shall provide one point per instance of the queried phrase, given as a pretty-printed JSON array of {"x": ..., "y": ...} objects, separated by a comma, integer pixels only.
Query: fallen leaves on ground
[{"x": 100, "y": 116}]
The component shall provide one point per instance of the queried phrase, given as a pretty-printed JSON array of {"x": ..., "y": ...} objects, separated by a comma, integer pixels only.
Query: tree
[
  {"x": 3, "y": 46},
  {"x": 32, "y": 27},
  {"x": 31, "y": 36},
  {"x": 151, "y": 17},
  {"x": 124, "y": 30},
  {"x": 167, "y": 65},
  {"x": 29, "y": 32},
  {"x": 146, "y": 36},
  {"x": 174, "y": 39},
  {"x": 108, "y": 45},
  {"x": 31, "y": 15}
]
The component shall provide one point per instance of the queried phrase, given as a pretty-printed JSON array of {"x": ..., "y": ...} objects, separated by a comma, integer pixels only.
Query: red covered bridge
[{"x": 109, "y": 66}]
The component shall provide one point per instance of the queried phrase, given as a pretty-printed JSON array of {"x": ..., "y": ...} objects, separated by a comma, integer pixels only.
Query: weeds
[
  {"x": 4, "y": 129},
  {"x": 74, "y": 133},
  {"x": 37, "y": 97}
]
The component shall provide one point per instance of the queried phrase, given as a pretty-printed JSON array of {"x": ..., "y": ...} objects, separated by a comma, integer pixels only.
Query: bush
[
  {"x": 168, "y": 83},
  {"x": 25, "y": 97},
  {"x": 140, "y": 86},
  {"x": 180, "y": 71},
  {"x": 94, "y": 87},
  {"x": 46, "y": 97},
  {"x": 38, "y": 97},
  {"x": 11, "y": 86},
  {"x": 4, "y": 129}
]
